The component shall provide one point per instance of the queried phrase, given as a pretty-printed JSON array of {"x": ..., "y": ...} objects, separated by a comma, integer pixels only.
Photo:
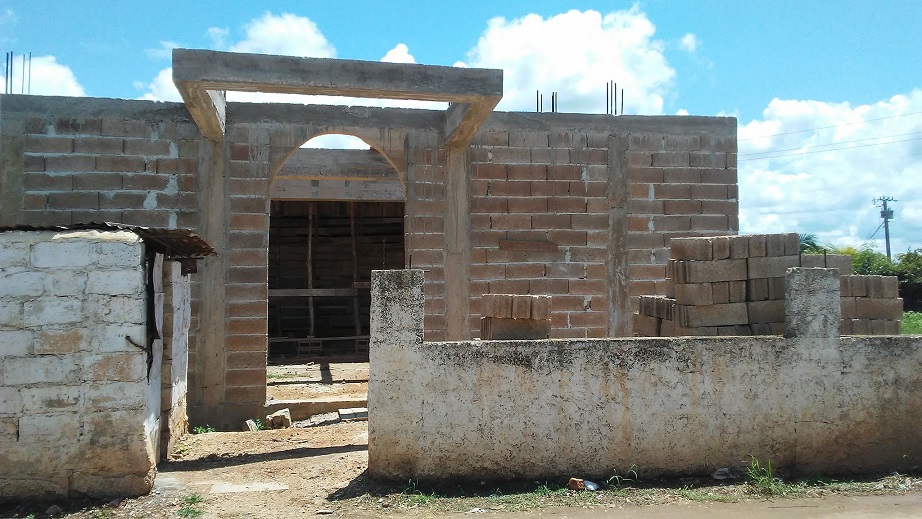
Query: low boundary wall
[{"x": 814, "y": 403}]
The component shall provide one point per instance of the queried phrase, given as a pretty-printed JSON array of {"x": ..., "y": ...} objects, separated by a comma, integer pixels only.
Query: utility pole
[{"x": 887, "y": 214}]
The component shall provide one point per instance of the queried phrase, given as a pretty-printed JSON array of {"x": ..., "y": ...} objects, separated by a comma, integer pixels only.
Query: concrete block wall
[
  {"x": 572, "y": 206},
  {"x": 127, "y": 166},
  {"x": 734, "y": 285},
  {"x": 79, "y": 414}
]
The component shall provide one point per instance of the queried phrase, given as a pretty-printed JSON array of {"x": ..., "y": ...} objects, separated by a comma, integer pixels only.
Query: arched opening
[{"x": 336, "y": 214}]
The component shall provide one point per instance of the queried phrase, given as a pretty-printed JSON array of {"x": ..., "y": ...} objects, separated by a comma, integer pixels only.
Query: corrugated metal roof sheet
[{"x": 172, "y": 243}]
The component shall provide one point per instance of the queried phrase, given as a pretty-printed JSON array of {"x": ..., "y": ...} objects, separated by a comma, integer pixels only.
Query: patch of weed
[
  {"x": 199, "y": 429},
  {"x": 629, "y": 476},
  {"x": 912, "y": 323},
  {"x": 189, "y": 509},
  {"x": 763, "y": 479}
]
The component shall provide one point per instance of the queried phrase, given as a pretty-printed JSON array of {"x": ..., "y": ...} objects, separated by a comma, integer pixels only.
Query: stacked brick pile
[
  {"x": 515, "y": 317},
  {"x": 734, "y": 285},
  {"x": 870, "y": 305}
]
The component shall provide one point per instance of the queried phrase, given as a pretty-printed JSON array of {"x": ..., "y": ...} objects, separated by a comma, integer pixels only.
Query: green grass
[
  {"x": 763, "y": 479},
  {"x": 189, "y": 509},
  {"x": 199, "y": 429},
  {"x": 912, "y": 323}
]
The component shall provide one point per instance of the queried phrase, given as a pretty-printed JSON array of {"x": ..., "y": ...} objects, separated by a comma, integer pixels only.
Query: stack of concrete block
[
  {"x": 515, "y": 317},
  {"x": 655, "y": 318},
  {"x": 735, "y": 285},
  {"x": 870, "y": 305}
]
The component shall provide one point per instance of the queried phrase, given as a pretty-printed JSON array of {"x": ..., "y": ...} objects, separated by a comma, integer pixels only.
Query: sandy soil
[{"x": 320, "y": 471}]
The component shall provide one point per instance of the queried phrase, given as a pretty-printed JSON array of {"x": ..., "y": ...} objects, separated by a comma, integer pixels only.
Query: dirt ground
[
  {"x": 309, "y": 380},
  {"x": 320, "y": 471}
]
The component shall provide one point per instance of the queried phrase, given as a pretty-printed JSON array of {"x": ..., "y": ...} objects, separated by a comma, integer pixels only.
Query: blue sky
[{"x": 851, "y": 68}]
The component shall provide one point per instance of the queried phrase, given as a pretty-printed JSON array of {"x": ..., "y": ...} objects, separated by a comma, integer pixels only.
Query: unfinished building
[{"x": 579, "y": 207}]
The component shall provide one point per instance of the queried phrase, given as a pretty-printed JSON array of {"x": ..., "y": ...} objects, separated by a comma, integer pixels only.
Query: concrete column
[
  {"x": 207, "y": 397},
  {"x": 457, "y": 244},
  {"x": 619, "y": 304},
  {"x": 12, "y": 165},
  {"x": 397, "y": 311},
  {"x": 812, "y": 306}
]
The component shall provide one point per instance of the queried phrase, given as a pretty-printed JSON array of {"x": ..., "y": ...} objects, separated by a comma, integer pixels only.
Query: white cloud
[
  {"x": 8, "y": 22},
  {"x": 576, "y": 54},
  {"x": 164, "y": 52},
  {"x": 399, "y": 54},
  {"x": 285, "y": 34},
  {"x": 822, "y": 180},
  {"x": 162, "y": 87},
  {"x": 45, "y": 76},
  {"x": 218, "y": 36},
  {"x": 336, "y": 141},
  {"x": 689, "y": 43}
]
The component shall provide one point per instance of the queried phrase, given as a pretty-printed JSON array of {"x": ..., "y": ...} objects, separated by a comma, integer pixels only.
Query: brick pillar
[{"x": 812, "y": 308}]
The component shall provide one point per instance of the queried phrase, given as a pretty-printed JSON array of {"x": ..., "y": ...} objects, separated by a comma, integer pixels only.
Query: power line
[
  {"x": 830, "y": 144},
  {"x": 833, "y": 149},
  {"x": 828, "y": 127}
]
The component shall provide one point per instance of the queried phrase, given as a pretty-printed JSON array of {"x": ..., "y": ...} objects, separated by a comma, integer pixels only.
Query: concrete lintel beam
[
  {"x": 207, "y": 107},
  {"x": 462, "y": 120},
  {"x": 330, "y": 164},
  {"x": 196, "y": 72}
]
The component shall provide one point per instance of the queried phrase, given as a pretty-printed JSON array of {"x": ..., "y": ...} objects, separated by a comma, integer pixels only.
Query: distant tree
[{"x": 809, "y": 245}]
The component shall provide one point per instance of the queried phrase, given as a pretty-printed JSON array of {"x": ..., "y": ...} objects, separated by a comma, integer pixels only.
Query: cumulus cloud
[
  {"x": 576, "y": 54},
  {"x": 165, "y": 51},
  {"x": 689, "y": 43},
  {"x": 399, "y": 54},
  {"x": 162, "y": 87},
  {"x": 45, "y": 76},
  {"x": 286, "y": 34},
  {"x": 217, "y": 36},
  {"x": 813, "y": 167}
]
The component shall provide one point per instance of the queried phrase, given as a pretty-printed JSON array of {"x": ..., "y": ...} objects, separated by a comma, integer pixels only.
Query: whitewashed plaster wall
[
  {"x": 552, "y": 408},
  {"x": 79, "y": 414}
]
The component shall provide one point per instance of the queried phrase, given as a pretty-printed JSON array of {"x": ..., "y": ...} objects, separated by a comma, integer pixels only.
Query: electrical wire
[
  {"x": 828, "y": 127},
  {"x": 830, "y": 144},
  {"x": 833, "y": 149}
]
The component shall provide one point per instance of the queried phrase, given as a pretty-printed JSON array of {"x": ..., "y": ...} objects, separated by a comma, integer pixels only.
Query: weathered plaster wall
[
  {"x": 78, "y": 413},
  {"x": 670, "y": 406},
  {"x": 174, "y": 378}
]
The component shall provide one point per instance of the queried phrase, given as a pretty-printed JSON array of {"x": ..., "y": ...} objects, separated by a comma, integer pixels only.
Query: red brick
[
  {"x": 74, "y": 125},
  {"x": 550, "y": 188},
  {"x": 567, "y": 205},
  {"x": 253, "y": 222},
  {"x": 586, "y": 287},
  {"x": 639, "y": 159},
  {"x": 718, "y": 176},
  {"x": 709, "y": 192},
  {"x": 547, "y": 286},
  {"x": 671, "y": 223},
  {"x": 69, "y": 163},
  {"x": 588, "y": 189},
  {"x": 487, "y": 272},
  {"x": 527, "y": 172},
  {"x": 510, "y": 221},
  {"x": 245, "y": 377},
  {"x": 682, "y": 206},
  {"x": 509, "y": 286},
  {"x": 73, "y": 200},
  {"x": 639, "y": 223},
  {"x": 489, "y": 171},
  {"x": 527, "y": 246},
  {"x": 527, "y": 205},
  {"x": 48, "y": 144},
  {"x": 509, "y": 188},
  {"x": 147, "y": 147},
  {"x": 98, "y": 182},
  {"x": 41, "y": 182},
  {"x": 120, "y": 163},
  {"x": 670, "y": 159},
  {"x": 248, "y": 257},
  {"x": 503, "y": 155},
  {"x": 551, "y": 221},
  {"x": 673, "y": 191},
  {"x": 566, "y": 238},
  {"x": 637, "y": 206},
  {"x": 646, "y": 175},
  {"x": 590, "y": 221},
  {"x": 564, "y": 172},
  {"x": 145, "y": 182},
  {"x": 149, "y": 218},
  {"x": 709, "y": 222},
  {"x": 97, "y": 145},
  {"x": 683, "y": 175}
]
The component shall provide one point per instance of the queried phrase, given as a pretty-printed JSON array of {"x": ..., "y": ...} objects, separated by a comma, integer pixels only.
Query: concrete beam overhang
[
  {"x": 200, "y": 76},
  {"x": 332, "y": 164}
]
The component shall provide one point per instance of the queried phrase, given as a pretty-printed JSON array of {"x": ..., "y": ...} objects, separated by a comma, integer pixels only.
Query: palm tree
[{"x": 809, "y": 245}]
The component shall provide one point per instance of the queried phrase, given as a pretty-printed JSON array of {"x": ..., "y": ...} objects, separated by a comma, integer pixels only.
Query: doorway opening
[{"x": 321, "y": 254}]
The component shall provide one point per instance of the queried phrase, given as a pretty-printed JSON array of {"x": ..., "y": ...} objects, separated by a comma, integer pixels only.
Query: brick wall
[{"x": 542, "y": 199}]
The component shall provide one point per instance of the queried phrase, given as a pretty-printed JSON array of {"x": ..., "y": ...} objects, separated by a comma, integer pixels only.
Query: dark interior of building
[{"x": 321, "y": 255}]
